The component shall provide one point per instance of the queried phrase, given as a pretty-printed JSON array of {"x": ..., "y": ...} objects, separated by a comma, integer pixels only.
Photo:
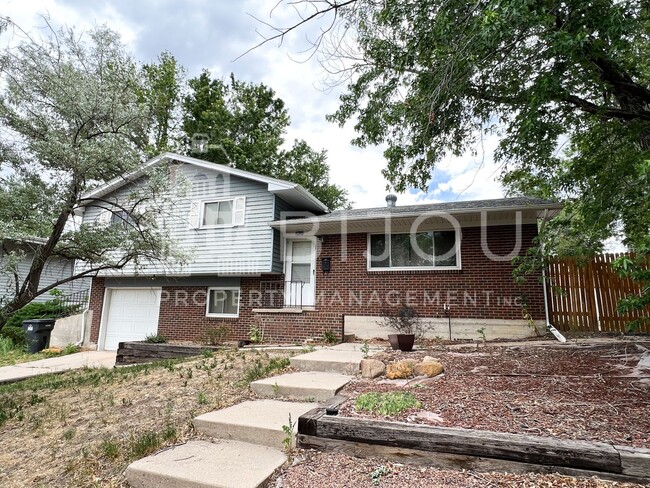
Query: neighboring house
[
  {"x": 56, "y": 269},
  {"x": 266, "y": 253}
]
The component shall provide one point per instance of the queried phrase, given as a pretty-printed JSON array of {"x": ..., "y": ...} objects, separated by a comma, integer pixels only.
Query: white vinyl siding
[{"x": 246, "y": 247}]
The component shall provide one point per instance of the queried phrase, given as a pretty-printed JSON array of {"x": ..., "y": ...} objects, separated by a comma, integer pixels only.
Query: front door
[{"x": 300, "y": 273}]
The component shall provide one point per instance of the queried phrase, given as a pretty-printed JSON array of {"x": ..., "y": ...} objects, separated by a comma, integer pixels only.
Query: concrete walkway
[{"x": 91, "y": 359}]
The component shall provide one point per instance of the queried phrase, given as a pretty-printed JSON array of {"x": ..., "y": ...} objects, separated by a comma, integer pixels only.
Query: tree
[
  {"x": 71, "y": 119},
  {"x": 245, "y": 124},
  {"x": 162, "y": 94},
  {"x": 565, "y": 84}
]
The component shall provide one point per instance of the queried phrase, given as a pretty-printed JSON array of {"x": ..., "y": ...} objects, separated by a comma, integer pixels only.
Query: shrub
[
  {"x": 15, "y": 334},
  {"x": 329, "y": 337},
  {"x": 214, "y": 335},
  {"x": 155, "y": 339},
  {"x": 387, "y": 403},
  {"x": 6, "y": 345},
  {"x": 52, "y": 309}
]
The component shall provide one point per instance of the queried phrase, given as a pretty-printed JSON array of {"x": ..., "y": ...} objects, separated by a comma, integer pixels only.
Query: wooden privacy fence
[{"x": 583, "y": 296}]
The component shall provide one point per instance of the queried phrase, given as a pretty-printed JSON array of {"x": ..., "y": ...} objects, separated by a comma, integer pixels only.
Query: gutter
[{"x": 558, "y": 335}]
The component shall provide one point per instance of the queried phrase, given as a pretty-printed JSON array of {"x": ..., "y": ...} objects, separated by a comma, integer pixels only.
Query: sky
[{"x": 204, "y": 34}]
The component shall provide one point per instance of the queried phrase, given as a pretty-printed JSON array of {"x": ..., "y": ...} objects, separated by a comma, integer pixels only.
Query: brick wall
[
  {"x": 95, "y": 304},
  {"x": 481, "y": 289}
]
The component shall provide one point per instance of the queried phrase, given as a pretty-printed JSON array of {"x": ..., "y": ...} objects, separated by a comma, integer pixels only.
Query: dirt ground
[
  {"x": 82, "y": 428},
  {"x": 595, "y": 394},
  {"x": 333, "y": 470}
]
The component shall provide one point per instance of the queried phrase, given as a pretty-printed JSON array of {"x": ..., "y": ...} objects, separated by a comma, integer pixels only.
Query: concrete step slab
[
  {"x": 258, "y": 422},
  {"x": 201, "y": 464},
  {"x": 308, "y": 385},
  {"x": 329, "y": 360}
]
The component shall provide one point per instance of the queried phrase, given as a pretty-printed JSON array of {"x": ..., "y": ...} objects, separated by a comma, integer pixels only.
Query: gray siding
[
  {"x": 55, "y": 270},
  {"x": 235, "y": 250}
]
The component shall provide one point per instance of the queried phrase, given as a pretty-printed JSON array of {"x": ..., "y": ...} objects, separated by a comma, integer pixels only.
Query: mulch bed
[{"x": 593, "y": 394}]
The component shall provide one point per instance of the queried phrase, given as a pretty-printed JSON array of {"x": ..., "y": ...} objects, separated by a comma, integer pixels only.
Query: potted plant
[{"x": 406, "y": 323}]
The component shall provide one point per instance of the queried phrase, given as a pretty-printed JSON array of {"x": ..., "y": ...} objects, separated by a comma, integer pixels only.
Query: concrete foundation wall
[
  {"x": 68, "y": 330},
  {"x": 365, "y": 327}
]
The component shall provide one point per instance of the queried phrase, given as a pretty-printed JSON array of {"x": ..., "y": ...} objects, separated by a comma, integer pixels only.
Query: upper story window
[
  {"x": 123, "y": 218},
  {"x": 218, "y": 213},
  {"x": 422, "y": 250}
]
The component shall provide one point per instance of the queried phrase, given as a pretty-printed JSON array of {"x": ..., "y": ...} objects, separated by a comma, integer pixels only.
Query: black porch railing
[{"x": 282, "y": 294}]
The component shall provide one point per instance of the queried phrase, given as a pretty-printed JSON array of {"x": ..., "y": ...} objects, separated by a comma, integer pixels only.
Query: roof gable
[{"x": 291, "y": 192}]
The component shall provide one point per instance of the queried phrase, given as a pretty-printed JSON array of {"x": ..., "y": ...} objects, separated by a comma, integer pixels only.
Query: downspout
[
  {"x": 83, "y": 328},
  {"x": 549, "y": 326}
]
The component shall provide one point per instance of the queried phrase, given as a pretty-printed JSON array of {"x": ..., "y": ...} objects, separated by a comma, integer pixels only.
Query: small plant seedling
[
  {"x": 376, "y": 475},
  {"x": 481, "y": 332},
  {"x": 202, "y": 398},
  {"x": 276, "y": 389},
  {"x": 365, "y": 349},
  {"x": 287, "y": 442}
]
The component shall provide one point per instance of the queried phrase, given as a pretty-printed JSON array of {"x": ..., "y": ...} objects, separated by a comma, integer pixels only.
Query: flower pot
[{"x": 403, "y": 342}]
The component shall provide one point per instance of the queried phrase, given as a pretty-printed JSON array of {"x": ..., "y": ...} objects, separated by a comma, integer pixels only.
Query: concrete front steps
[
  {"x": 249, "y": 436},
  {"x": 246, "y": 453},
  {"x": 202, "y": 464},
  {"x": 343, "y": 358},
  {"x": 307, "y": 385},
  {"x": 258, "y": 422}
]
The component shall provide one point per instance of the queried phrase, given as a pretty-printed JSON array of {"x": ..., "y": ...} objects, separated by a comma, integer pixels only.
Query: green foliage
[
  {"x": 637, "y": 268},
  {"x": 365, "y": 349},
  {"x": 330, "y": 337},
  {"x": 155, "y": 339},
  {"x": 287, "y": 441},
  {"x": 6, "y": 345},
  {"x": 215, "y": 335},
  {"x": 378, "y": 473},
  {"x": 52, "y": 309},
  {"x": 386, "y": 403},
  {"x": 481, "y": 333},
  {"x": 261, "y": 369},
  {"x": 245, "y": 124},
  {"x": 256, "y": 334},
  {"x": 110, "y": 449},
  {"x": 73, "y": 106}
]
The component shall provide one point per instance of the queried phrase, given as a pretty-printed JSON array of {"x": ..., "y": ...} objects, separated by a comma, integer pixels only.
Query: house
[
  {"x": 265, "y": 253},
  {"x": 16, "y": 256}
]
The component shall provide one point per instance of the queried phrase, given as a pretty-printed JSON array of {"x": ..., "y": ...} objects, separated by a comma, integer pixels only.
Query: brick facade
[{"x": 482, "y": 289}]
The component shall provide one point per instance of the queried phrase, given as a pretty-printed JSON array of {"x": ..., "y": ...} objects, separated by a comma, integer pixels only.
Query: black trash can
[{"x": 38, "y": 333}]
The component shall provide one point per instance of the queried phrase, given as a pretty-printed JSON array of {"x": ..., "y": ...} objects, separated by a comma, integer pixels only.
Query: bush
[
  {"x": 53, "y": 309},
  {"x": 6, "y": 345},
  {"x": 214, "y": 335},
  {"x": 15, "y": 334},
  {"x": 155, "y": 339}
]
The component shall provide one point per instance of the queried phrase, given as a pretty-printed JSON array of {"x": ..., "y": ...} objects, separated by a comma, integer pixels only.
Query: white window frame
[
  {"x": 222, "y": 288},
  {"x": 369, "y": 266},
  {"x": 235, "y": 209}
]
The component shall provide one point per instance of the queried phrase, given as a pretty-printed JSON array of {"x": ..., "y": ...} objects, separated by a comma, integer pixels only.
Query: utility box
[{"x": 38, "y": 333}]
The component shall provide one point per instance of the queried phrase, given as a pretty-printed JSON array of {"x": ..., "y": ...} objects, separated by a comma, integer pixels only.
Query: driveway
[{"x": 91, "y": 359}]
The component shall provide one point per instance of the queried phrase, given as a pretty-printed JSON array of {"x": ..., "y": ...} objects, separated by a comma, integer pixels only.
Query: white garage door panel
[{"x": 132, "y": 315}]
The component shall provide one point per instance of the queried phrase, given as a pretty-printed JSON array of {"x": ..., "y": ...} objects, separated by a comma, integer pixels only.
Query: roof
[
  {"x": 291, "y": 192},
  {"x": 533, "y": 207}
]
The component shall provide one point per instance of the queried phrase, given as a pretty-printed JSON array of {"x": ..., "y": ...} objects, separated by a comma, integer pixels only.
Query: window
[
  {"x": 123, "y": 218},
  {"x": 223, "y": 302},
  {"x": 218, "y": 213},
  {"x": 423, "y": 250}
]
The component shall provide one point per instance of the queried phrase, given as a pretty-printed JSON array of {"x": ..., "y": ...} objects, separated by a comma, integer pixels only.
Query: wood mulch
[{"x": 594, "y": 394}]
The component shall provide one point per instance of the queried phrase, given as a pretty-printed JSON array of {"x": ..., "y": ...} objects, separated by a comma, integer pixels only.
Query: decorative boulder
[
  {"x": 428, "y": 368},
  {"x": 399, "y": 370},
  {"x": 372, "y": 368},
  {"x": 428, "y": 359}
]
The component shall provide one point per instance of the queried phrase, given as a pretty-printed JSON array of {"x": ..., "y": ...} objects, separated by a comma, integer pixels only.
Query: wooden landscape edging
[
  {"x": 144, "y": 352},
  {"x": 470, "y": 449}
]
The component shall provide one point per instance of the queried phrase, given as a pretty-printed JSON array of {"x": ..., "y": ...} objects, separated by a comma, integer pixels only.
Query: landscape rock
[
  {"x": 429, "y": 359},
  {"x": 372, "y": 368},
  {"x": 428, "y": 368},
  {"x": 399, "y": 370}
]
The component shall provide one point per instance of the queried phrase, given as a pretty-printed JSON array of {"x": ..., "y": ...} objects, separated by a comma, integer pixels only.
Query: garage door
[{"x": 132, "y": 315}]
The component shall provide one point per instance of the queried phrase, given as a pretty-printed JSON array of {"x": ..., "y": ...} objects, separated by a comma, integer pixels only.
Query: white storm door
[
  {"x": 132, "y": 315},
  {"x": 300, "y": 274}
]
